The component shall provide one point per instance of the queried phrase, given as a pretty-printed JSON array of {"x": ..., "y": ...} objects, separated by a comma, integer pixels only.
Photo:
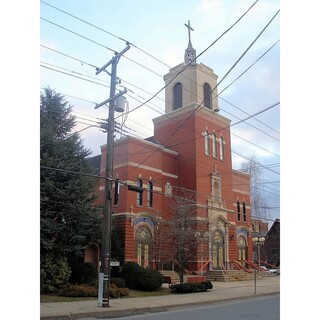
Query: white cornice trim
[
  {"x": 191, "y": 107},
  {"x": 134, "y": 164},
  {"x": 240, "y": 191}
]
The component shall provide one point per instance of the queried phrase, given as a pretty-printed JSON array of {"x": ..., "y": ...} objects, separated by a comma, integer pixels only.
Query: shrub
[
  {"x": 86, "y": 273},
  {"x": 138, "y": 278},
  {"x": 208, "y": 284},
  {"x": 149, "y": 280},
  {"x": 54, "y": 272},
  {"x": 119, "y": 282},
  {"x": 191, "y": 287},
  {"x": 130, "y": 273},
  {"x": 116, "y": 292},
  {"x": 91, "y": 291},
  {"x": 79, "y": 291}
]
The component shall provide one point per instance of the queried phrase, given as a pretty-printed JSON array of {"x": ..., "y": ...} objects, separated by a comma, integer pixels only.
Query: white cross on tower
[{"x": 189, "y": 29}]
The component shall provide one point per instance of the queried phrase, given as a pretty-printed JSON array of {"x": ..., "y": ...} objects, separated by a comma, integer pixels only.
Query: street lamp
[{"x": 258, "y": 242}]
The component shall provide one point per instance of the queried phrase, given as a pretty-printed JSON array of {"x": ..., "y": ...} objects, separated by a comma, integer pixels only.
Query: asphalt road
[{"x": 262, "y": 308}]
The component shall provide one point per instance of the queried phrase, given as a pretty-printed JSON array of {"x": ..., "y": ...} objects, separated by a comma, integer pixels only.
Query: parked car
[{"x": 274, "y": 271}]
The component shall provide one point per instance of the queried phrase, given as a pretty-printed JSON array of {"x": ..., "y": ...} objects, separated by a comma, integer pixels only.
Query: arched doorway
[
  {"x": 217, "y": 249},
  {"x": 242, "y": 250},
  {"x": 92, "y": 254},
  {"x": 143, "y": 245}
]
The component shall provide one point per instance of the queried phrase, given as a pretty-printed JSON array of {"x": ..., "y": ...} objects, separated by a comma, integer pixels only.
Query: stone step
[
  {"x": 172, "y": 274},
  {"x": 235, "y": 275}
]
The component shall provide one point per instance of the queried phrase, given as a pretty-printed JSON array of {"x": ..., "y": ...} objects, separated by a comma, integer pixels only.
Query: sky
[
  {"x": 76, "y": 37},
  {"x": 157, "y": 27}
]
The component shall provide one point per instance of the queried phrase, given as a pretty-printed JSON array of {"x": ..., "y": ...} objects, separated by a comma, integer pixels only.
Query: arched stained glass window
[{"x": 143, "y": 242}]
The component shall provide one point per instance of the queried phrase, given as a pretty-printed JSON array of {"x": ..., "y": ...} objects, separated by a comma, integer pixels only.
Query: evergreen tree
[{"x": 68, "y": 220}]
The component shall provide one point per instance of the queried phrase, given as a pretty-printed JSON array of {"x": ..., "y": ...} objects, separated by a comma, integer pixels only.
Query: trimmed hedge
[
  {"x": 79, "y": 291},
  {"x": 138, "y": 278},
  {"x": 116, "y": 292},
  {"x": 86, "y": 273},
  {"x": 91, "y": 291},
  {"x": 149, "y": 280},
  {"x": 119, "y": 282},
  {"x": 191, "y": 287},
  {"x": 130, "y": 272}
]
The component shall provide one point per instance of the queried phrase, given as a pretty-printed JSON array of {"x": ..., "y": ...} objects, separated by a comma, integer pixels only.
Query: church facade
[{"x": 190, "y": 150}]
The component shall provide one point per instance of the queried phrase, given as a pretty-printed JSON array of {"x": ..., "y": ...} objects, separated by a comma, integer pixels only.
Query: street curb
[{"x": 136, "y": 311}]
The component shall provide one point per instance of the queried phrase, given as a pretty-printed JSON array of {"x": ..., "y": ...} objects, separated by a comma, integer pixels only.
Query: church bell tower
[{"x": 190, "y": 82}]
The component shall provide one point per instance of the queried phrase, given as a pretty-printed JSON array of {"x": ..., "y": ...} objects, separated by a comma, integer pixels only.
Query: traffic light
[{"x": 135, "y": 188}]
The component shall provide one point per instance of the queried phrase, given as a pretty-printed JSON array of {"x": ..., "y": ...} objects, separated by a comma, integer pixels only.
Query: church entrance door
[
  {"x": 143, "y": 246},
  {"x": 217, "y": 246}
]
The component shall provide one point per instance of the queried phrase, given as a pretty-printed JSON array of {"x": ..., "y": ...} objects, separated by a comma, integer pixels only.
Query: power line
[
  {"x": 155, "y": 191},
  {"x": 180, "y": 72},
  {"x": 185, "y": 89},
  {"x": 99, "y": 44},
  {"x": 170, "y": 117},
  {"x": 108, "y": 32},
  {"x": 71, "y": 75},
  {"x": 129, "y": 41},
  {"x": 199, "y": 107}
]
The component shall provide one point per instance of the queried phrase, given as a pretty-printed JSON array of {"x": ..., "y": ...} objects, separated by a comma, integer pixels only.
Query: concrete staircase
[
  {"x": 174, "y": 276},
  {"x": 234, "y": 275}
]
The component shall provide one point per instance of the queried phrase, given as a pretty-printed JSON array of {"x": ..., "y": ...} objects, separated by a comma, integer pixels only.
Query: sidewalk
[{"x": 221, "y": 291}]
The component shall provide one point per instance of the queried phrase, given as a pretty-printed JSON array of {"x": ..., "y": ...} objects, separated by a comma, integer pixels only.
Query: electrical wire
[
  {"x": 155, "y": 191},
  {"x": 219, "y": 93},
  {"x": 129, "y": 41}
]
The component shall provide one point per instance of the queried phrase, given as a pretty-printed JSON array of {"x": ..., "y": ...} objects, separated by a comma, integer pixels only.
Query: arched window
[
  {"x": 244, "y": 211},
  {"x": 238, "y": 210},
  {"x": 206, "y": 143},
  {"x": 150, "y": 194},
  {"x": 242, "y": 250},
  {"x": 139, "y": 194},
  {"x": 214, "y": 145},
  {"x": 177, "y": 96},
  {"x": 221, "y": 149},
  {"x": 143, "y": 243},
  {"x": 217, "y": 251},
  {"x": 207, "y": 96}
]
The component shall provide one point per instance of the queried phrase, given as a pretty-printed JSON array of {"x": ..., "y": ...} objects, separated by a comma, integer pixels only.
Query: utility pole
[{"x": 106, "y": 239}]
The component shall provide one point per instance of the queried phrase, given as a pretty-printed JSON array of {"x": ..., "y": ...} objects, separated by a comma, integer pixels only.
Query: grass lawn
[{"x": 132, "y": 294}]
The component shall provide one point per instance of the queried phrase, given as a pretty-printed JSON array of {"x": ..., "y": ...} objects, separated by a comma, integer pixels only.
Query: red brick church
[{"x": 190, "y": 150}]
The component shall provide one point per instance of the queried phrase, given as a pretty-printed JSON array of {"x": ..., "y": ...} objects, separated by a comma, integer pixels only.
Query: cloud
[{"x": 210, "y": 7}]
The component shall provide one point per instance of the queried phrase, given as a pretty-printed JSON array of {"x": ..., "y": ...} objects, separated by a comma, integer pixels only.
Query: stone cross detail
[{"x": 189, "y": 29}]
